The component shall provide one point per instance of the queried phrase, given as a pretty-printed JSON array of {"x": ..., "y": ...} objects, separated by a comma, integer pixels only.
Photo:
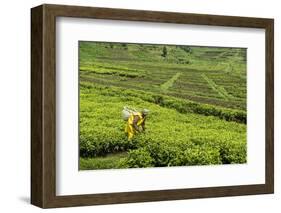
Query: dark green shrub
[
  {"x": 201, "y": 155},
  {"x": 158, "y": 99},
  {"x": 92, "y": 146},
  {"x": 138, "y": 158},
  {"x": 164, "y": 52},
  {"x": 163, "y": 153},
  {"x": 233, "y": 152}
]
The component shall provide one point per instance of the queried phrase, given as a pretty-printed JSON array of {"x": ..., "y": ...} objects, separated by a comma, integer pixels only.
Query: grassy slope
[
  {"x": 129, "y": 68},
  {"x": 224, "y": 66},
  {"x": 102, "y": 130}
]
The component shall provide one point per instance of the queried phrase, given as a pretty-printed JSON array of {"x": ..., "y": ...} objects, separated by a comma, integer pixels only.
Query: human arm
[
  {"x": 143, "y": 125},
  {"x": 135, "y": 123}
]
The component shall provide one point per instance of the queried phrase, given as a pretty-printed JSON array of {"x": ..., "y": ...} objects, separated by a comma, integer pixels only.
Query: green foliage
[
  {"x": 196, "y": 97},
  {"x": 233, "y": 153},
  {"x": 225, "y": 68},
  {"x": 165, "y": 86},
  {"x": 125, "y": 46},
  {"x": 182, "y": 106},
  {"x": 186, "y": 49},
  {"x": 197, "y": 152},
  {"x": 164, "y": 52},
  {"x": 113, "y": 70},
  {"x": 139, "y": 158},
  {"x": 172, "y": 138},
  {"x": 219, "y": 89},
  {"x": 105, "y": 162},
  {"x": 157, "y": 99}
]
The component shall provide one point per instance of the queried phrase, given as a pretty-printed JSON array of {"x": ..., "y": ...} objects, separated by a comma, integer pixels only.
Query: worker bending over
[{"x": 136, "y": 123}]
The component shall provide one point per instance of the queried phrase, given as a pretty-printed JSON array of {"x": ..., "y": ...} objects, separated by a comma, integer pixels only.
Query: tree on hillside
[
  {"x": 187, "y": 49},
  {"x": 125, "y": 46},
  {"x": 164, "y": 52}
]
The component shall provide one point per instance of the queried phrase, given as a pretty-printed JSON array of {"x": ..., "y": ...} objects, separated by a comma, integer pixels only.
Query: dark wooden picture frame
[{"x": 43, "y": 105}]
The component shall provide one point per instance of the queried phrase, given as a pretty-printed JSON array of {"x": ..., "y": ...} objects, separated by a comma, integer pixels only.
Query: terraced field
[{"x": 196, "y": 97}]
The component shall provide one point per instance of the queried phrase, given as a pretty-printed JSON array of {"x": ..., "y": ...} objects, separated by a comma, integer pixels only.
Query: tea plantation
[{"x": 196, "y": 97}]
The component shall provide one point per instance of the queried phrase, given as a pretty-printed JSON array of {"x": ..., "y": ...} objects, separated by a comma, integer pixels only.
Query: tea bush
[
  {"x": 182, "y": 106},
  {"x": 139, "y": 158},
  {"x": 196, "y": 97},
  {"x": 162, "y": 154},
  {"x": 171, "y": 139}
]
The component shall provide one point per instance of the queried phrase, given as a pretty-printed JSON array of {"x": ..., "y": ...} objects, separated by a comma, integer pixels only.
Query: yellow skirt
[{"x": 129, "y": 129}]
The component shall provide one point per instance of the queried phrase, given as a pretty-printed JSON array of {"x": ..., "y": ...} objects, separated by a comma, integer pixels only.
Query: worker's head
[{"x": 145, "y": 112}]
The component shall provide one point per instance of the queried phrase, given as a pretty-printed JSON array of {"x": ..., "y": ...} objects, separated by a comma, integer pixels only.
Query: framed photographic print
[{"x": 135, "y": 106}]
